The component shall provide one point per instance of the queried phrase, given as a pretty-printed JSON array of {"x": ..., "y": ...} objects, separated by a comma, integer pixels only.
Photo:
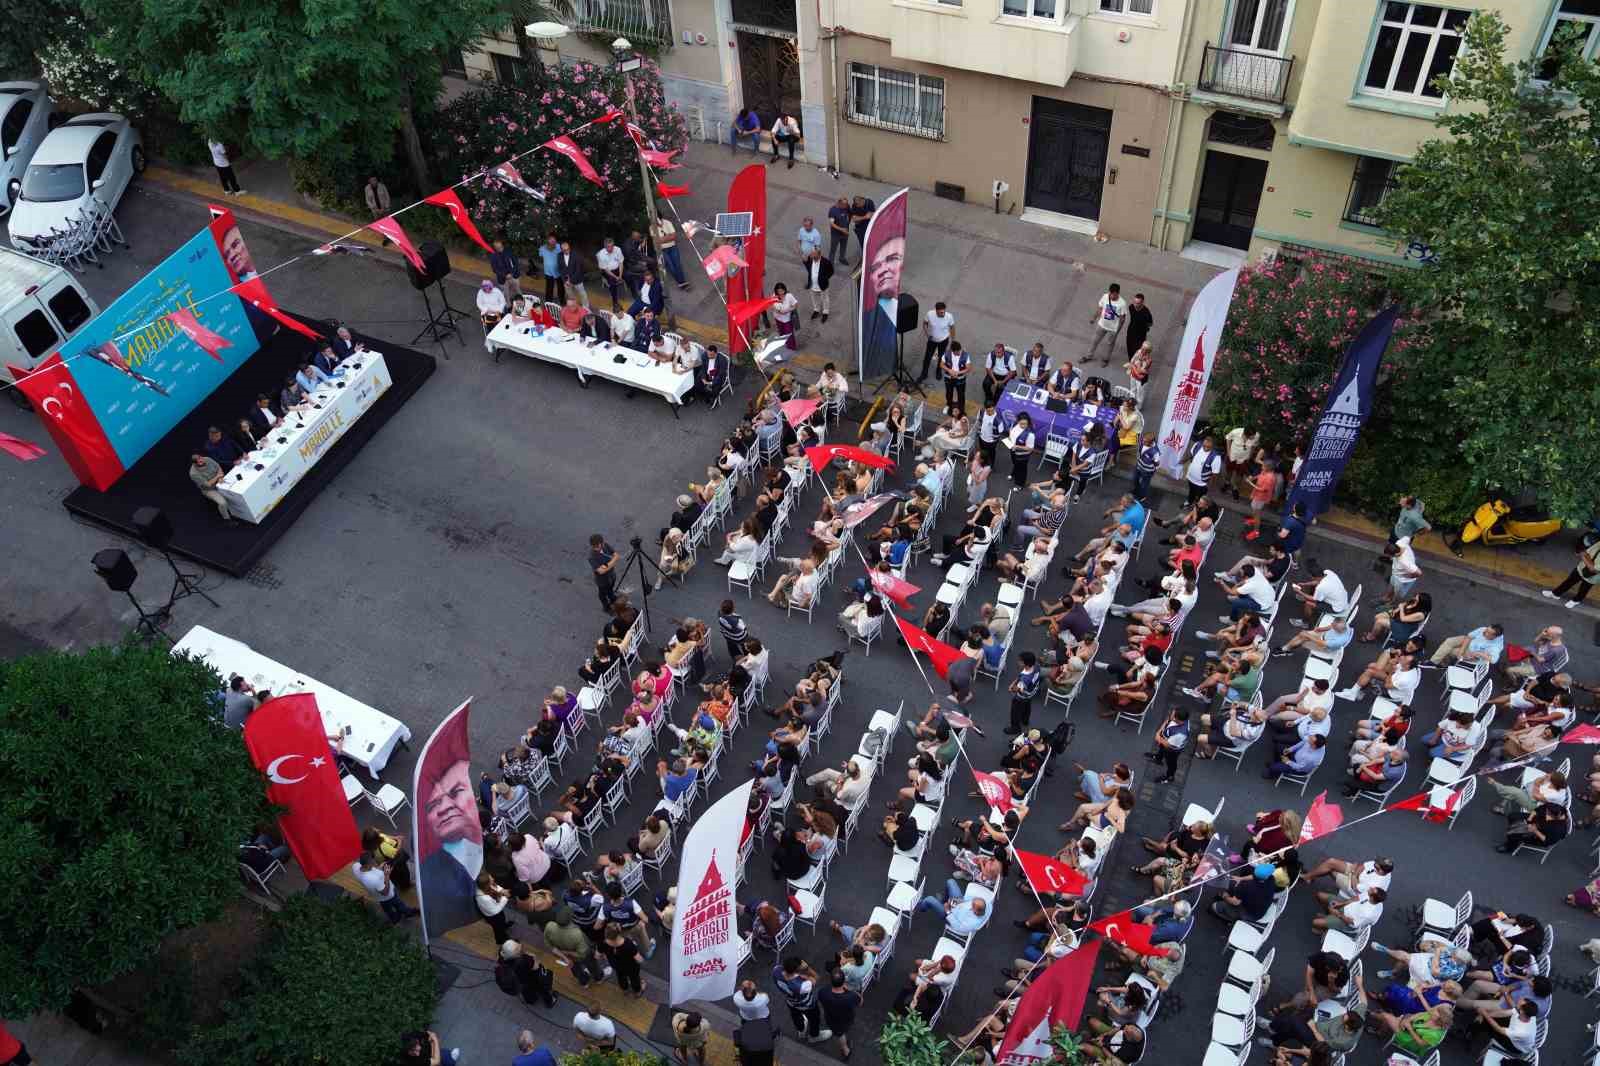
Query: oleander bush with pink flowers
[{"x": 490, "y": 124}]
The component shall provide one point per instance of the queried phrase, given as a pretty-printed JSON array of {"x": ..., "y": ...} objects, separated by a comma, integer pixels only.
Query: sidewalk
[{"x": 1004, "y": 279}]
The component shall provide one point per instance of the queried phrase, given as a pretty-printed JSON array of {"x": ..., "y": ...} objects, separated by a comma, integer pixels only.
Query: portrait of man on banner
[
  {"x": 448, "y": 834},
  {"x": 880, "y": 286}
]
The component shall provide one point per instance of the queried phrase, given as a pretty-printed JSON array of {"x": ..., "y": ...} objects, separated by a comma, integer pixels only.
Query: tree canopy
[
  {"x": 124, "y": 804},
  {"x": 1509, "y": 205}
]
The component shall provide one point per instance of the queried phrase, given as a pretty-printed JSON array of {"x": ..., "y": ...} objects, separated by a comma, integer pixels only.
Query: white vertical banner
[
  {"x": 705, "y": 934},
  {"x": 1202, "y": 335}
]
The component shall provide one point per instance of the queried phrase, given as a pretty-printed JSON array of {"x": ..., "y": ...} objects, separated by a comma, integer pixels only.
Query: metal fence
[
  {"x": 1247, "y": 75},
  {"x": 637, "y": 20}
]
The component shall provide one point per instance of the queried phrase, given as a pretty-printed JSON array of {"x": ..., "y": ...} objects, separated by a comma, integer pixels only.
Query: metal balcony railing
[
  {"x": 1246, "y": 75},
  {"x": 637, "y": 20}
]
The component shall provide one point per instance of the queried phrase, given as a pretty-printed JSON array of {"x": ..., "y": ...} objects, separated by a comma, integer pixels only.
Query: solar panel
[{"x": 735, "y": 223}]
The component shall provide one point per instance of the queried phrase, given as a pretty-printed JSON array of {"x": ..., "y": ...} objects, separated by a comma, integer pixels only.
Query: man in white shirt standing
[
  {"x": 937, "y": 324},
  {"x": 751, "y": 1003},
  {"x": 819, "y": 272},
  {"x": 1109, "y": 317},
  {"x": 1204, "y": 462},
  {"x": 609, "y": 260},
  {"x": 597, "y": 1032},
  {"x": 808, "y": 238},
  {"x": 220, "y": 160},
  {"x": 374, "y": 877}
]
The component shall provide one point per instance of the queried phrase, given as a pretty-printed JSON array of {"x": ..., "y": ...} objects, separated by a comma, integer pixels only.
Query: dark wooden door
[
  {"x": 1067, "y": 147},
  {"x": 769, "y": 73},
  {"x": 1230, "y": 196}
]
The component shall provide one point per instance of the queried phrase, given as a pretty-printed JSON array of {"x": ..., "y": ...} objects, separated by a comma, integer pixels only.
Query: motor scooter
[{"x": 1497, "y": 523}]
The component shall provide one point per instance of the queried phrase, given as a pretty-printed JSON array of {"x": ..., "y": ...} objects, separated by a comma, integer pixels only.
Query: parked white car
[
  {"x": 88, "y": 158},
  {"x": 24, "y": 120}
]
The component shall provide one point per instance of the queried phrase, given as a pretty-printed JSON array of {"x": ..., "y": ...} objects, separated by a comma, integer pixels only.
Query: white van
[
  {"x": 26, "y": 115},
  {"x": 41, "y": 306}
]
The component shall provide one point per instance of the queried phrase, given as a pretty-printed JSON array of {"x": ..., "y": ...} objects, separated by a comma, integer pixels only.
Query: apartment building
[
  {"x": 1064, "y": 101},
  {"x": 1297, "y": 113}
]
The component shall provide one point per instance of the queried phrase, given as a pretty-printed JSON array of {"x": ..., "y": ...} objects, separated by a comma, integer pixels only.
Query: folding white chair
[
  {"x": 873, "y": 629},
  {"x": 616, "y": 798},
  {"x": 592, "y": 823},
  {"x": 661, "y": 859},
  {"x": 1294, "y": 779},
  {"x": 1348, "y": 947},
  {"x": 354, "y": 790},
  {"x": 388, "y": 800},
  {"x": 1444, "y": 919}
]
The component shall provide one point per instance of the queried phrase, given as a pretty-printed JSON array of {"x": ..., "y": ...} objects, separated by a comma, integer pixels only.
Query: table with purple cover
[{"x": 1019, "y": 399}]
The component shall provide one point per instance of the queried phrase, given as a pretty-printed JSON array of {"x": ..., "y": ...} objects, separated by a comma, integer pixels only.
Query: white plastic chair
[{"x": 388, "y": 801}]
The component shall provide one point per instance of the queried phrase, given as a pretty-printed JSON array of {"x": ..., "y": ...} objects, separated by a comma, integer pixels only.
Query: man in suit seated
[
  {"x": 344, "y": 345},
  {"x": 711, "y": 375},
  {"x": 449, "y": 871},
  {"x": 651, "y": 295},
  {"x": 262, "y": 416},
  {"x": 646, "y": 330},
  {"x": 325, "y": 359}
]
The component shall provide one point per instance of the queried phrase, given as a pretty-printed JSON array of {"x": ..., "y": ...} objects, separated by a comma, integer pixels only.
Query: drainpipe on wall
[
  {"x": 1169, "y": 158},
  {"x": 835, "y": 149}
]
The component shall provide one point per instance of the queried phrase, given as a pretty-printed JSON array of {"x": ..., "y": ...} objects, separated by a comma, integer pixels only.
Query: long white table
[
  {"x": 591, "y": 359},
  {"x": 259, "y": 482},
  {"x": 373, "y": 734}
]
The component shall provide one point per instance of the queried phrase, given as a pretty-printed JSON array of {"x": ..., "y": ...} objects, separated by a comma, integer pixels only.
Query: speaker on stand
[
  {"x": 908, "y": 316},
  {"x": 119, "y": 574},
  {"x": 436, "y": 267},
  {"x": 155, "y": 529}
]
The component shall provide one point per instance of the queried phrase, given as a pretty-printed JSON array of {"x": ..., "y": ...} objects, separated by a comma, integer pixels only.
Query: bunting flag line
[
  {"x": 390, "y": 228},
  {"x": 108, "y": 353},
  {"x": 862, "y": 510},
  {"x": 610, "y": 116},
  {"x": 1055, "y": 998},
  {"x": 958, "y": 720},
  {"x": 996, "y": 792},
  {"x": 509, "y": 176},
  {"x": 767, "y": 350},
  {"x": 447, "y": 199},
  {"x": 823, "y": 454},
  {"x": 25, "y": 450},
  {"x": 667, "y": 192},
  {"x": 1322, "y": 819},
  {"x": 721, "y": 261},
  {"x": 210, "y": 341},
  {"x": 256, "y": 293},
  {"x": 1439, "y": 815},
  {"x": 568, "y": 147},
  {"x": 335, "y": 248},
  {"x": 896, "y": 589},
  {"x": 797, "y": 411},
  {"x": 1582, "y": 734},
  {"x": 659, "y": 160},
  {"x": 1120, "y": 928},
  {"x": 1050, "y": 876},
  {"x": 938, "y": 652},
  {"x": 742, "y": 311},
  {"x": 1410, "y": 803},
  {"x": 640, "y": 140}
]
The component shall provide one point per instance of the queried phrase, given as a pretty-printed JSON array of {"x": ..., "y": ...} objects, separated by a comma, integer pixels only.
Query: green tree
[
  {"x": 907, "y": 1040},
  {"x": 31, "y": 27},
  {"x": 1509, "y": 205},
  {"x": 124, "y": 803},
  {"x": 332, "y": 81},
  {"x": 334, "y": 985}
]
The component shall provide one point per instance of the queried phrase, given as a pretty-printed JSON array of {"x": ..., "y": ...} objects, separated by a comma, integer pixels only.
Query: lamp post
[{"x": 627, "y": 62}]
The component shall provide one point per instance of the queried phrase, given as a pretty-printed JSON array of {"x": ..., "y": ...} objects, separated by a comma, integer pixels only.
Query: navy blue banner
[{"x": 1349, "y": 404}]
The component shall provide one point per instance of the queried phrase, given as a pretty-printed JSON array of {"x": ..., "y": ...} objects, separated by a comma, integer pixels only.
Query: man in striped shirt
[
  {"x": 1145, "y": 468},
  {"x": 731, "y": 624}
]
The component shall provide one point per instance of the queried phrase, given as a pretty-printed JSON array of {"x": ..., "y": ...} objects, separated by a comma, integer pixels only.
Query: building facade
[
  {"x": 1297, "y": 112},
  {"x": 1064, "y": 103}
]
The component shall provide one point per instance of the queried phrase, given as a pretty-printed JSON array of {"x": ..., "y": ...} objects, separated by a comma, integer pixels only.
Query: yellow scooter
[{"x": 1497, "y": 523}]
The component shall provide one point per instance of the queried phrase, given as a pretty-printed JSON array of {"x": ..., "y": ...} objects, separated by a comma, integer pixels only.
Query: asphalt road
[{"x": 448, "y": 561}]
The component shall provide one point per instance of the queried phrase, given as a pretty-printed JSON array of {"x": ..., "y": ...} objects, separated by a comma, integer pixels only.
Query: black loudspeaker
[
  {"x": 910, "y": 316},
  {"x": 153, "y": 526},
  {"x": 435, "y": 259},
  {"x": 115, "y": 569}
]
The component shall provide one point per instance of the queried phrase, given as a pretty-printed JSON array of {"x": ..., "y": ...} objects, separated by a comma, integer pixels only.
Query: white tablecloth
[
  {"x": 295, "y": 444},
  {"x": 599, "y": 360},
  {"x": 373, "y": 734}
]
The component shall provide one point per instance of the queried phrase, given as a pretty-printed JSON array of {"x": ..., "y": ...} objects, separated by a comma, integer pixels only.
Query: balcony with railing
[
  {"x": 1247, "y": 80},
  {"x": 641, "y": 21}
]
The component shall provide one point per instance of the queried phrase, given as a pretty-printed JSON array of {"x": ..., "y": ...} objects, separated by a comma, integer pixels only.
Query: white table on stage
[
  {"x": 373, "y": 734},
  {"x": 259, "y": 482},
  {"x": 637, "y": 370}
]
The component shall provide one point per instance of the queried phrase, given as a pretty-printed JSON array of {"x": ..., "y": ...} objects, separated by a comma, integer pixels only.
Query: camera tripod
[{"x": 636, "y": 561}]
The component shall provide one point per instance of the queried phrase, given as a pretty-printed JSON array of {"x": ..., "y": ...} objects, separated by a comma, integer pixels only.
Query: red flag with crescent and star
[
  {"x": 389, "y": 226},
  {"x": 1410, "y": 803},
  {"x": 210, "y": 341},
  {"x": 568, "y": 147},
  {"x": 288, "y": 742},
  {"x": 1322, "y": 819},
  {"x": 823, "y": 454},
  {"x": 1055, "y": 998},
  {"x": 659, "y": 160},
  {"x": 70, "y": 422},
  {"x": 996, "y": 793},
  {"x": 897, "y": 589},
  {"x": 1050, "y": 876},
  {"x": 667, "y": 192},
  {"x": 447, "y": 199},
  {"x": 255, "y": 293},
  {"x": 1122, "y": 929},
  {"x": 1583, "y": 734},
  {"x": 937, "y": 651}
]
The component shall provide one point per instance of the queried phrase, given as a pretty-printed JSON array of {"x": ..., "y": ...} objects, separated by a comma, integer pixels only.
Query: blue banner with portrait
[
  {"x": 1349, "y": 404},
  {"x": 138, "y": 372}
]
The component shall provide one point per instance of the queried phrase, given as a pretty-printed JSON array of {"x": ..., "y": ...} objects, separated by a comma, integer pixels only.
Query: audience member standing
[
  {"x": 839, "y": 231},
  {"x": 376, "y": 194},
  {"x": 220, "y": 160},
  {"x": 937, "y": 324},
  {"x": 507, "y": 270},
  {"x": 1139, "y": 322},
  {"x": 1109, "y": 317},
  {"x": 603, "y": 562},
  {"x": 819, "y": 273}
]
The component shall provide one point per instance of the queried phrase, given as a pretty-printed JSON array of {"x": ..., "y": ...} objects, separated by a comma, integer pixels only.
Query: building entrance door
[
  {"x": 1067, "y": 148},
  {"x": 769, "y": 75},
  {"x": 1230, "y": 195}
]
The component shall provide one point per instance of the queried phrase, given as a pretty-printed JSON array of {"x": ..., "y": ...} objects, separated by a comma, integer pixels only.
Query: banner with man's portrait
[
  {"x": 445, "y": 826},
  {"x": 882, "y": 260}
]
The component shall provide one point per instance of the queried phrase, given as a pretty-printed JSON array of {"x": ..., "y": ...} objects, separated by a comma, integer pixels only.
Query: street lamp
[{"x": 627, "y": 61}]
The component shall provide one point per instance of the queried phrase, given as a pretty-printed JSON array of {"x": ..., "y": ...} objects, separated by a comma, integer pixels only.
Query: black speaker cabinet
[
  {"x": 435, "y": 259},
  {"x": 153, "y": 525},
  {"x": 910, "y": 316},
  {"x": 115, "y": 569}
]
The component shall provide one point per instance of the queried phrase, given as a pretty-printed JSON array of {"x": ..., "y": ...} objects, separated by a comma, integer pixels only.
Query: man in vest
[
  {"x": 630, "y": 917},
  {"x": 999, "y": 368},
  {"x": 956, "y": 364}
]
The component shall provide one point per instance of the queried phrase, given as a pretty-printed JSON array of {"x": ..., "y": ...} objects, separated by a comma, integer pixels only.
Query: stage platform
[{"x": 161, "y": 477}]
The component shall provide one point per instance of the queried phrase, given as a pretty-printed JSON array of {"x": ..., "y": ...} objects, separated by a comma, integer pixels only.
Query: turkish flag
[
  {"x": 447, "y": 199},
  {"x": 937, "y": 651},
  {"x": 862, "y": 510},
  {"x": 1322, "y": 819},
  {"x": 1437, "y": 813},
  {"x": 1135, "y": 936},
  {"x": 288, "y": 742},
  {"x": 1410, "y": 803},
  {"x": 667, "y": 192},
  {"x": 797, "y": 411},
  {"x": 893, "y": 587},
  {"x": 25, "y": 450},
  {"x": 1050, "y": 876},
  {"x": 610, "y": 116},
  {"x": 71, "y": 423},
  {"x": 210, "y": 341},
  {"x": 996, "y": 793},
  {"x": 1054, "y": 998},
  {"x": 824, "y": 454},
  {"x": 721, "y": 260},
  {"x": 510, "y": 176},
  {"x": 569, "y": 148},
  {"x": 256, "y": 294},
  {"x": 742, "y": 311},
  {"x": 390, "y": 228},
  {"x": 659, "y": 160},
  {"x": 1583, "y": 734}
]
